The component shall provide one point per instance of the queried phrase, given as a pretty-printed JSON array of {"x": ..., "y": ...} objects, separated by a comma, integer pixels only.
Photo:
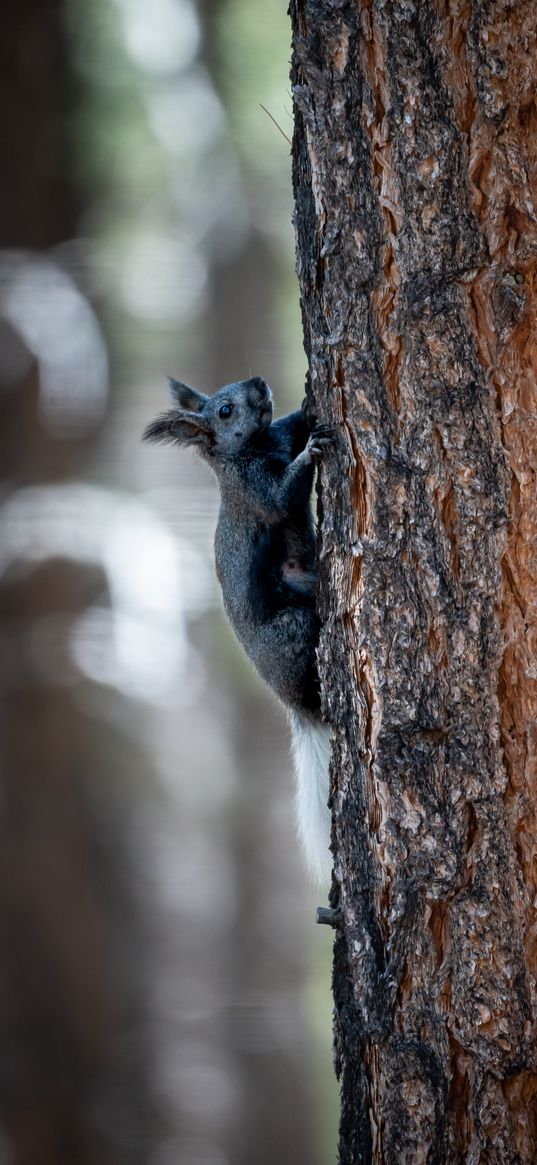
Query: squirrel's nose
[{"x": 261, "y": 387}]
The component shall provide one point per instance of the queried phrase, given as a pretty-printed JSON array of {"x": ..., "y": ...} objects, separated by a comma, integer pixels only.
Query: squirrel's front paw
[{"x": 320, "y": 439}]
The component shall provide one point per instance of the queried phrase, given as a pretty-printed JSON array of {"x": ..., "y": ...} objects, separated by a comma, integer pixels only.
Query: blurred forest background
[{"x": 164, "y": 993}]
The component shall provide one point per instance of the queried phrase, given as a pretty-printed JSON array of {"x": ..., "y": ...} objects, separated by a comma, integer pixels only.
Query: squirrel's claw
[{"x": 320, "y": 439}]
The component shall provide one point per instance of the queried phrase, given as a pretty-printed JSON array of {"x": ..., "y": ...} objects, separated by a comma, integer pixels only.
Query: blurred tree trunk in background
[
  {"x": 74, "y": 1069},
  {"x": 39, "y": 202},
  {"x": 415, "y": 180}
]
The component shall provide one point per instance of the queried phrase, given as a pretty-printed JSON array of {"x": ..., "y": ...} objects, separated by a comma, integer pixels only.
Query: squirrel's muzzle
[{"x": 258, "y": 390}]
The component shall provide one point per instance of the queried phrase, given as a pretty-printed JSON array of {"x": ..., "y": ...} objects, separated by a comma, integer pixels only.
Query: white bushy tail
[{"x": 311, "y": 753}]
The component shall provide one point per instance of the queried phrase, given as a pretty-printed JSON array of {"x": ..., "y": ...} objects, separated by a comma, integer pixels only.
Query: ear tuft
[
  {"x": 160, "y": 429},
  {"x": 181, "y": 428},
  {"x": 187, "y": 397}
]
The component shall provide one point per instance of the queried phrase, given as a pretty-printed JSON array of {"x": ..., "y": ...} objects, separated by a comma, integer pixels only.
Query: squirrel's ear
[
  {"x": 179, "y": 429},
  {"x": 187, "y": 397}
]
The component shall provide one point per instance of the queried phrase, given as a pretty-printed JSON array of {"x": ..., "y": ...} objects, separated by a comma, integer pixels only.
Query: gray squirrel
[{"x": 265, "y": 563}]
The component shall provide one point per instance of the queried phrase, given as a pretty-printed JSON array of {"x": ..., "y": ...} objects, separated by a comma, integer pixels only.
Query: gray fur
[{"x": 265, "y": 550}]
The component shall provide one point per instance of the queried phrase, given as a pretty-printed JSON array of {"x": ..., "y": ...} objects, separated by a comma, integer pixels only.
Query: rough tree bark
[{"x": 414, "y": 171}]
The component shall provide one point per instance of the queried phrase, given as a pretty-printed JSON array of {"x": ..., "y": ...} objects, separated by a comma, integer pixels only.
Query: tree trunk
[{"x": 414, "y": 169}]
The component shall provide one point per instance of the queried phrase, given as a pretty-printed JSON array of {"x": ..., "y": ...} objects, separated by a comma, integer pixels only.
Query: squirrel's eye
[{"x": 225, "y": 410}]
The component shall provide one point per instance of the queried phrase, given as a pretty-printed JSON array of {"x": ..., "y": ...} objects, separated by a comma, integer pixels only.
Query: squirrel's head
[{"x": 219, "y": 425}]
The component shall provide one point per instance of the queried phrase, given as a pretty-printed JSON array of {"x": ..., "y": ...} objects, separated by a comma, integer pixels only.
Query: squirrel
[{"x": 265, "y": 563}]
